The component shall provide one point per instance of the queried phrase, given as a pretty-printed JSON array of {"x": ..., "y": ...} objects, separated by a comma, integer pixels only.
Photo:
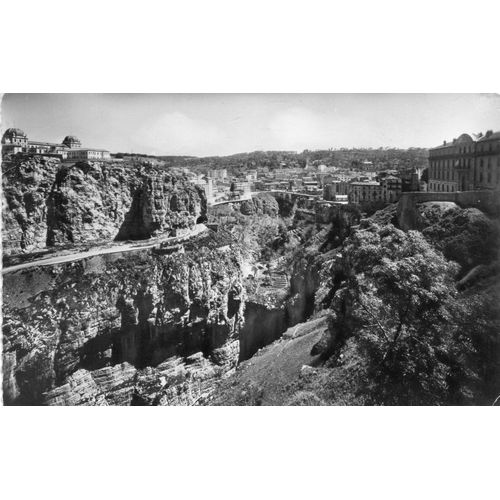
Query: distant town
[{"x": 369, "y": 178}]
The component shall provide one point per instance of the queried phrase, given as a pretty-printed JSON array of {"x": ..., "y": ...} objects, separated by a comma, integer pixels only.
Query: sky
[{"x": 222, "y": 124}]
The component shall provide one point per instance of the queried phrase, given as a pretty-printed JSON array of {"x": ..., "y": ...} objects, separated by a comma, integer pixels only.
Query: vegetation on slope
[{"x": 406, "y": 327}]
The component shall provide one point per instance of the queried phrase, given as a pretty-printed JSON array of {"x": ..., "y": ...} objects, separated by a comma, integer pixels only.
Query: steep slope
[{"x": 406, "y": 324}]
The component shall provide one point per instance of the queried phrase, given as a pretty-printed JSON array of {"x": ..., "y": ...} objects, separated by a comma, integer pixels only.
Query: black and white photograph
[{"x": 251, "y": 249}]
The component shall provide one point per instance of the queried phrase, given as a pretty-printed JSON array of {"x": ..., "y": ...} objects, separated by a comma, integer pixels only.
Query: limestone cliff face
[
  {"x": 100, "y": 330},
  {"x": 304, "y": 282},
  {"x": 26, "y": 188},
  {"x": 48, "y": 203}
]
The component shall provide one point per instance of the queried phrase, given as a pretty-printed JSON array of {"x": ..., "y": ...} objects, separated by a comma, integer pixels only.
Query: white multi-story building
[
  {"x": 14, "y": 141},
  {"x": 466, "y": 163}
]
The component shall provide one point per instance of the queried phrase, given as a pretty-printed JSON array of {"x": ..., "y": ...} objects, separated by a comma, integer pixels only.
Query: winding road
[{"x": 119, "y": 248}]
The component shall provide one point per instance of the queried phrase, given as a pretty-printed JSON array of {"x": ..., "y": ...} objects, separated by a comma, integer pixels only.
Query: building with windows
[
  {"x": 14, "y": 141},
  {"x": 487, "y": 161},
  {"x": 251, "y": 175},
  {"x": 218, "y": 173},
  {"x": 365, "y": 191},
  {"x": 450, "y": 165},
  {"x": 465, "y": 163},
  {"x": 309, "y": 184},
  {"x": 388, "y": 190},
  {"x": 335, "y": 188},
  {"x": 241, "y": 187},
  {"x": 87, "y": 154},
  {"x": 392, "y": 187}
]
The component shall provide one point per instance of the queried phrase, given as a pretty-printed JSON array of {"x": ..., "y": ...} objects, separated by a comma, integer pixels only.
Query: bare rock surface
[
  {"x": 47, "y": 203},
  {"x": 97, "y": 314}
]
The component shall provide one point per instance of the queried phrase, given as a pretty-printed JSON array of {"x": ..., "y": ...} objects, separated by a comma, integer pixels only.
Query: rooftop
[
  {"x": 88, "y": 149},
  {"x": 489, "y": 136},
  {"x": 15, "y": 131},
  {"x": 48, "y": 144}
]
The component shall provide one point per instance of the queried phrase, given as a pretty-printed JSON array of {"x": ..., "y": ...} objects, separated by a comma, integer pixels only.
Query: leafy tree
[
  {"x": 395, "y": 307},
  {"x": 425, "y": 175}
]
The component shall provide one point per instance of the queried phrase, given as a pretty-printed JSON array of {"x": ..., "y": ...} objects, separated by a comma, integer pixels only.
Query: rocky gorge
[
  {"x": 400, "y": 317},
  {"x": 275, "y": 303},
  {"x": 152, "y": 326}
]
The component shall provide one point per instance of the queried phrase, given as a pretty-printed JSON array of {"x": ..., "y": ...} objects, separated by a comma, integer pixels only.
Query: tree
[
  {"x": 395, "y": 308},
  {"x": 425, "y": 175}
]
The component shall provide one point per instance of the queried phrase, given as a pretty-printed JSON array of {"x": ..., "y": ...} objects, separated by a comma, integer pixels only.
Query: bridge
[
  {"x": 281, "y": 192},
  {"x": 292, "y": 194}
]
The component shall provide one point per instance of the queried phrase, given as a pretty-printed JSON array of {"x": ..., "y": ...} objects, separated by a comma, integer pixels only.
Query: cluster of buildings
[
  {"x": 385, "y": 188},
  {"x": 463, "y": 164},
  {"x": 466, "y": 163},
  {"x": 324, "y": 182},
  {"x": 219, "y": 186},
  {"x": 15, "y": 141}
]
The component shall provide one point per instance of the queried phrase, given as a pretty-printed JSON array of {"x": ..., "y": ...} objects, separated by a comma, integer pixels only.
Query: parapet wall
[{"x": 487, "y": 201}]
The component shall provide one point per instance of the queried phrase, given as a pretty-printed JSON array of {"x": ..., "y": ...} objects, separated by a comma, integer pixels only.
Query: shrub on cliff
[
  {"x": 262, "y": 204},
  {"x": 466, "y": 236}
]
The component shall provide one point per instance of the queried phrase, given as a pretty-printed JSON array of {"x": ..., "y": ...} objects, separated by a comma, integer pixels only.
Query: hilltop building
[
  {"x": 466, "y": 164},
  {"x": 14, "y": 141}
]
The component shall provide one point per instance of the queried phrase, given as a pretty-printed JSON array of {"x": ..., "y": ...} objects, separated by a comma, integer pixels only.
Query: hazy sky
[{"x": 219, "y": 124}]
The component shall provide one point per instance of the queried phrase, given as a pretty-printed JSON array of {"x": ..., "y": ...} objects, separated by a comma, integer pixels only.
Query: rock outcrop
[
  {"x": 49, "y": 203},
  {"x": 261, "y": 204},
  {"x": 81, "y": 332}
]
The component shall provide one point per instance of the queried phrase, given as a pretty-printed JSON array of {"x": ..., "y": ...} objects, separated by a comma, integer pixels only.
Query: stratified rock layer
[{"x": 77, "y": 333}]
